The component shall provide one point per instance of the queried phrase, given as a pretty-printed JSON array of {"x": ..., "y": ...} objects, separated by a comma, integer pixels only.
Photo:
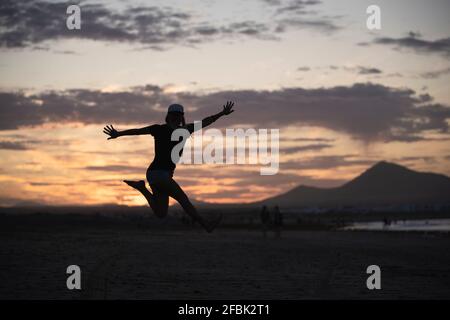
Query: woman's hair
[{"x": 183, "y": 121}]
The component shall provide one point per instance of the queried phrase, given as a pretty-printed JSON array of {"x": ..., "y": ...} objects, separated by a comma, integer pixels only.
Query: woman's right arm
[
  {"x": 227, "y": 109},
  {"x": 113, "y": 133}
]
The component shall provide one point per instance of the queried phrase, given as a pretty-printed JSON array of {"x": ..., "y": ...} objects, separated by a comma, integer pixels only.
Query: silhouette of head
[{"x": 175, "y": 115}]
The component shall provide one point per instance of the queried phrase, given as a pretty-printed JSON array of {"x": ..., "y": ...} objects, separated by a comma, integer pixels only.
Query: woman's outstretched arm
[
  {"x": 113, "y": 133},
  {"x": 227, "y": 109}
]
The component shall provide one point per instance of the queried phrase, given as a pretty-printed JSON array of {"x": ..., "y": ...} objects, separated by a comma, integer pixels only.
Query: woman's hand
[
  {"x": 228, "y": 108},
  {"x": 111, "y": 132}
]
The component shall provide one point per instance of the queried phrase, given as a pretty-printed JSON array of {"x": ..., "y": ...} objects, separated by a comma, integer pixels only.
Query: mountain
[{"x": 383, "y": 184}]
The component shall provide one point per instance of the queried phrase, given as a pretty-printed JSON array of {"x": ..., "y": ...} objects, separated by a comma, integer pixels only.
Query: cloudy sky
[{"x": 342, "y": 96}]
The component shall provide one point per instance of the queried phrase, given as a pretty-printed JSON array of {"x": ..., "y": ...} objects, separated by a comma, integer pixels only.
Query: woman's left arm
[{"x": 227, "y": 109}]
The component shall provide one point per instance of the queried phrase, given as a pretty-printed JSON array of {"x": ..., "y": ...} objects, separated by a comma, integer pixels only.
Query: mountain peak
[
  {"x": 385, "y": 169},
  {"x": 385, "y": 165},
  {"x": 381, "y": 172},
  {"x": 385, "y": 183}
]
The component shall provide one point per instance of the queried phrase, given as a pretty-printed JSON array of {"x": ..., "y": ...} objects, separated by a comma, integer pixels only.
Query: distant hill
[{"x": 383, "y": 184}]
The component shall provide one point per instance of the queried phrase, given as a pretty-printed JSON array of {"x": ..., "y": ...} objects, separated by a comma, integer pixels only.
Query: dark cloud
[
  {"x": 310, "y": 147},
  {"x": 20, "y": 142},
  {"x": 425, "y": 97},
  {"x": 272, "y": 2},
  {"x": 116, "y": 168},
  {"x": 47, "y": 184},
  {"x": 414, "y": 42},
  {"x": 428, "y": 159},
  {"x": 71, "y": 52},
  {"x": 12, "y": 145},
  {"x": 326, "y": 25},
  {"x": 414, "y": 34},
  {"x": 367, "y": 70},
  {"x": 296, "y": 14},
  {"x": 285, "y": 182},
  {"x": 309, "y": 139},
  {"x": 326, "y": 162},
  {"x": 435, "y": 74},
  {"x": 12, "y": 201},
  {"x": 80, "y": 105},
  {"x": 104, "y": 182},
  {"x": 297, "y": 6},
  {"x": 33, "y": 23},
  {"x": 358, "y": 69},
  {"x": 365, "y": 111},
  {"x": 248, "y": 179},
  {"x": 28, "y": 23}
]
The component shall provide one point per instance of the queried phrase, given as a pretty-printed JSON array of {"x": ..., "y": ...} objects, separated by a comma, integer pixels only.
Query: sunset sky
[{"x": 342, "y": 96}]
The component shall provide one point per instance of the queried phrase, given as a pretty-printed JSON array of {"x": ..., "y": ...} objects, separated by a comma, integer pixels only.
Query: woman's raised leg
[{"x": 159, "y": 202}]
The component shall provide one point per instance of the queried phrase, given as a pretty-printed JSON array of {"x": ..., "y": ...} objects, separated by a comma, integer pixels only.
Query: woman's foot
[
  {"x": 212, "y": 224},
  {"x": 138, "y": 185}
]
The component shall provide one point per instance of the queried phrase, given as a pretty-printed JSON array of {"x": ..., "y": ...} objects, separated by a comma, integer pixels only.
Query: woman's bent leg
[
  {"x": 174, "y": 190},
  {"x": 158, "y": 203}
]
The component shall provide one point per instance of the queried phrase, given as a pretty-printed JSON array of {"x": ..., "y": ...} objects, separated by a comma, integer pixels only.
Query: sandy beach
[{"x": 131, "y": 263}]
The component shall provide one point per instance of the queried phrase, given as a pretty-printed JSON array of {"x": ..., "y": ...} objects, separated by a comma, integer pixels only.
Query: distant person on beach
[
  {"x": 265, "y": 220},
  {"x": 386, "y": 222},
  {"x": 160, "y": 172},
  {"x": 277, "y": 221}
]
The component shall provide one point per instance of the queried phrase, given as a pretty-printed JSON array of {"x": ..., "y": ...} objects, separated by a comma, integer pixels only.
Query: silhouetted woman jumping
[{"x": 160, "y": 172}]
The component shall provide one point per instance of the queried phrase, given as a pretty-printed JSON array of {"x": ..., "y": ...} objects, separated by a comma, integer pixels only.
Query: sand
[{"x": 190, "y": 264}]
